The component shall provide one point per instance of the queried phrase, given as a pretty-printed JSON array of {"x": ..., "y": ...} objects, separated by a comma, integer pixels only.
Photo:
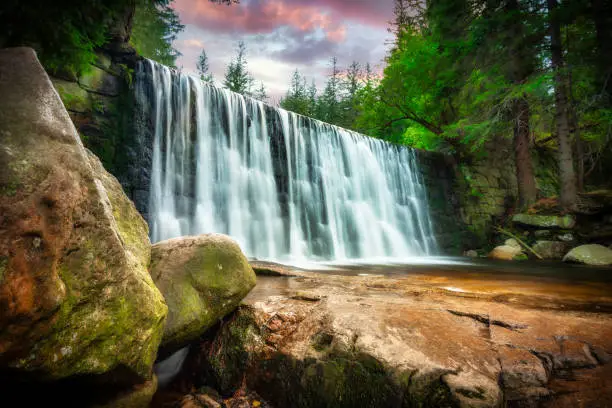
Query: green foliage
[
  {"x": 299, "y": 98},
  {"x": 155, "y": 27},
  {"x": 203, "y": 68},
  {"x": 237, "y": 76},
  {"x": 65, "y": 33},
  {"x": 260, "y": 93}
]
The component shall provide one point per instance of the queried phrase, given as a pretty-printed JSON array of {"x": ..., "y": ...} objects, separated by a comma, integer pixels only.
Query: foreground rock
[
  {"x": 138, "y": 396},
  {"x": 545, "y": 221},
  {"x": 76, "y": 298},
  {"x": 414, "y": 341},
  {"x": 202, "y": 278},
  {"x": 592, "y": 254}
]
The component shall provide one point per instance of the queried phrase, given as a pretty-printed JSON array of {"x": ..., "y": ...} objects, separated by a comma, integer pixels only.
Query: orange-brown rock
[
  {"x": 75, "y": 294},
  {"x": 436, "y": 338}
]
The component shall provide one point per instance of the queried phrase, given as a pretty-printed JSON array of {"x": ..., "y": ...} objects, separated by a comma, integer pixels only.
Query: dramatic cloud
[{"x": 282, "y": 35}]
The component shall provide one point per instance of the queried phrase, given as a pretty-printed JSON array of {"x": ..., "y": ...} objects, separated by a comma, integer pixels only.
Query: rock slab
[{"x": 545, "y": 221}]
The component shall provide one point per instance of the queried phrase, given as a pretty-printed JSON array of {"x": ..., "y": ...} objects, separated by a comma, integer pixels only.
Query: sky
[{"x": 282, "y": 35}]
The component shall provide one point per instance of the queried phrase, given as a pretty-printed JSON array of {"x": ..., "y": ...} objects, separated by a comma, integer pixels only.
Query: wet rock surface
[{"x": 321, "y": 339}]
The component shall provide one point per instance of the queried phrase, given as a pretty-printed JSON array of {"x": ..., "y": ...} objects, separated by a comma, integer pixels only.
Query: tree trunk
[
  {"x": 522, "y": 153},
  {"x": 521, "y": 67},
  {"x": 567, "y": 174}
]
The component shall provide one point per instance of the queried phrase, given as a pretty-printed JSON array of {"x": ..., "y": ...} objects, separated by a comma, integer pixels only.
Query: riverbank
[{"x": 459, "y": 336}]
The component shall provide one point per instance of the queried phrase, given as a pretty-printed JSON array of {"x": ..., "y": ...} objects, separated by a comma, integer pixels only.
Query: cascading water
[{"x": 286, "y": 187}]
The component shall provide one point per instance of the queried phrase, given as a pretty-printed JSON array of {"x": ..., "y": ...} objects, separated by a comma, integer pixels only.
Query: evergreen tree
[
  {"x": 352, "y": 84},
  {"x": 328, "y": 103},
  {"x": 297, "y": 97},
  {"x": 237, "y": 76},
  {"x": 260, "y": 94},
  {"x": 203, "y": 68},
  {"x": 155, "y": 27}
]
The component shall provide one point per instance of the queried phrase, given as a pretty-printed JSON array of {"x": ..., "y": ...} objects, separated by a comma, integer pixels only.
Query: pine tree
[
  {"x": 237, "y": 76},
  {"x": 329, "y": 108},
  {"x": 204, "y": 69},
  {"x": 260, "y": 94},
  {"x": 297, "y": 100}
]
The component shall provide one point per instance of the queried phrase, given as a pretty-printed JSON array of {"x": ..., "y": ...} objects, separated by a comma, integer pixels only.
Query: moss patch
[{"x": 3, "y": 266}]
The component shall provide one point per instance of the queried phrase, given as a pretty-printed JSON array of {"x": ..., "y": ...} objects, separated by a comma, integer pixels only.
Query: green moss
[
  {"x": 478, "y": 393},
  {"x": 3, "y": 266},
  {"x": 9, "y": 189},
  {"x": 427, "y": 390},
  {"x": 74, "y": 97}
]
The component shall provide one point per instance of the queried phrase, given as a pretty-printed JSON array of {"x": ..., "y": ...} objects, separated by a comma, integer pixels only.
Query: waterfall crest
[{"x": 285, "y": 186}]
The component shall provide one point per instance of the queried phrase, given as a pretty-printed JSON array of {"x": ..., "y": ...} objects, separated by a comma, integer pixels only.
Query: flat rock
[
  {"x": 545, "y": 221},
  {"x": 438, "y": 340},
  {"x": 592, "y": 254}
]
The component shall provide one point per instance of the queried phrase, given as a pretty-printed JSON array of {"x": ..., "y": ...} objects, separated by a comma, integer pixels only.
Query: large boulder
[
  {"x": 76, "y": 297},
  {"x": 203, "y": 278},
  {"x": 593, "y": 254},
  {"x": 545, "y": 221}
]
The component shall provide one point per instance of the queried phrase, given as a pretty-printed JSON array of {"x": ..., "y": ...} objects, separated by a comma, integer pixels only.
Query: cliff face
[{"x": 101, "y": 105}]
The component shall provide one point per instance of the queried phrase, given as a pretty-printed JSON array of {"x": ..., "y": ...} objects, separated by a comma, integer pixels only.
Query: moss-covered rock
[
  {"x": 545, "y": 221},
  {"x": 592, "y": 254},
  {"x": 76, "y": 297},
  {"x": 75, "y": 98},
  {"x": 550, "y": 249},
  {"x": 138, "y": 396},
  {"x": 101, "y": 81},
  {"x": 202, "y": 278}
]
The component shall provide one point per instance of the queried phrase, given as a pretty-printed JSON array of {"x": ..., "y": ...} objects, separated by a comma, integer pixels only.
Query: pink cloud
[{"x": 263, "y": 16}]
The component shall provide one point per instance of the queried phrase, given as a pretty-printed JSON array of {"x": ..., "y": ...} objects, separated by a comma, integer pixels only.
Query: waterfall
[{"x": 285, "y": 186}]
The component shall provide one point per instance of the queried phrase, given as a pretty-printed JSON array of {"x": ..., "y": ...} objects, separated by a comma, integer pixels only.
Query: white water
[{"x": 286, "y": 187}]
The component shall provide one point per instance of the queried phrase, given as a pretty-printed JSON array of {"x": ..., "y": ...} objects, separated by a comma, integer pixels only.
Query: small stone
[
  {"x": 308, "y": 297},
  {"x": 567, "y": 237},
  {"x": 471, "y": 253}
]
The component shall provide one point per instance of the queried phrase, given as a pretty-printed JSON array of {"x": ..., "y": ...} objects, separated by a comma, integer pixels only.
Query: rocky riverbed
[{"x": 454, "y": 337}]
